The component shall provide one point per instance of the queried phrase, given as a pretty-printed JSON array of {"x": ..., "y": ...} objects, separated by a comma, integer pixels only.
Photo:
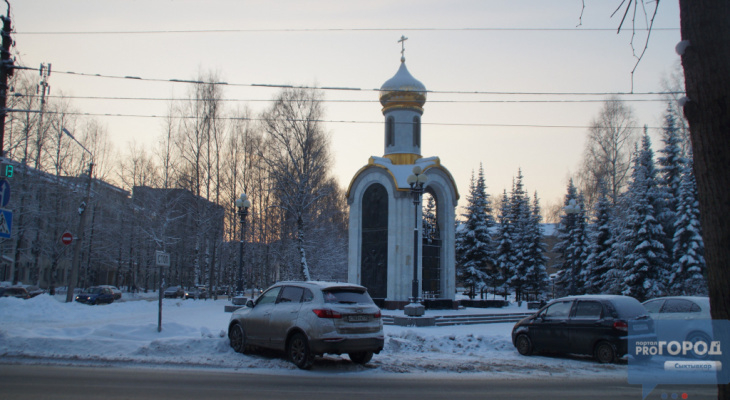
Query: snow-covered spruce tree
[
  {"x": 430, "y": 227},
  {"x": 536, "y": 275},
  {"x": 520, "y": 219},
  {"x": 474, "y": 247},
  {"x": 506, "y": 260},
  {"x": 573, "y": 244},
  {"x": 671, "y": 165},
  {"x": 601, "y": 274},
  {"x": 645, "y": 263},
  {"x": 688, "y": 273}
]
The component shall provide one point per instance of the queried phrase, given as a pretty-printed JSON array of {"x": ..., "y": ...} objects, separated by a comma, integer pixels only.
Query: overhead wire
[
  {"x": 229, "y": 118},
  {"x": 338, "y": 88},
  {"x": 304, "y": 30}
]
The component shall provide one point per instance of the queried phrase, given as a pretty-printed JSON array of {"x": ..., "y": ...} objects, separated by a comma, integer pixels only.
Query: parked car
[
  {"x": 96, "y": 295},
  {"x": 15, "y": 291},
  {"x": 174, "y": 292},
  {"x": 33, "y": 290},
  {"x": 595, "y": 325},
  {"x": 115, "y": 291},
  {"x": 196, "y": 293},
  {"x": 307, "y": 319},
  {"x": 694, "y": 312}
]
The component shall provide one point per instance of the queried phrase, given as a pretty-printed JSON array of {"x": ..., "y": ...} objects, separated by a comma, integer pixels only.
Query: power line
[
  {"x": 315, "y": 30},
  {"x": 121, "y": 98},
  {"x": 332, "y": 88},
  {"x": 454, "y": 124}
]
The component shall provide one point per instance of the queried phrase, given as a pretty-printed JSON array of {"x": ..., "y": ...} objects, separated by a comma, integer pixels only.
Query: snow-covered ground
[{"x": 47, "y": 330}]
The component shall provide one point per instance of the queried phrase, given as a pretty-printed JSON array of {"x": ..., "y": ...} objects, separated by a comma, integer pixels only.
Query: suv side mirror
[{"x": 249, "y": 304}]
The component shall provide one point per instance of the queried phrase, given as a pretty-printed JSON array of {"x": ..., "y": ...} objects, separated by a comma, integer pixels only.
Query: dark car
[
  {"x": 196, "y": 293},
  {"x": 174, "y": 292},
  {"x": 16, "y": 291},
  {"x": 33, "y": 290},
  {"x": 96, "y": 295},
  {"x": 595, "y": 325},
  {"x": 306, "y": 319},
  {"x": 115, "y": 291}
]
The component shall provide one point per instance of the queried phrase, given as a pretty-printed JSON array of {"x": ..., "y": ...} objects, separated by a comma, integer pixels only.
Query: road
[{"x": 37, "y": 382}]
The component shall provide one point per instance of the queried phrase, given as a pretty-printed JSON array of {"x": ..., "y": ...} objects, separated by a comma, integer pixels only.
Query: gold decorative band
[{"x": 403, "y": 158}]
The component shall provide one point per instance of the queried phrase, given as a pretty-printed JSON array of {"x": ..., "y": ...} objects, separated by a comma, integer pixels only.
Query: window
[
  {"x": 653, "y": 306},
  {"x": 270, "y": 296},
  {"x": 679, "y": 306},
  {"x": 346, "y": 296},
  {"x": 558, "y": 310},
  {"x": 308, "y": 296},
  {"x": 390, "y": 132},
  {"x": 588, "y": 310},
  {"x": 291, "y": 294},
  {"x": 416, "y": 132}
]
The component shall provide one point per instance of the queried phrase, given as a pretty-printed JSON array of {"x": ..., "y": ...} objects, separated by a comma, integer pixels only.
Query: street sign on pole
[
  {"x": 6, "y": 223},
  {"x": 67, "y": 238},
  {"x": 4, "y": 193},
  {"x": 163, "y": 259}
]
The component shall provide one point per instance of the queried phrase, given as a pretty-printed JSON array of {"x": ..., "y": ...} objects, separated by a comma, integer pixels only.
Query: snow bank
[{"x": 45, "y": 330}]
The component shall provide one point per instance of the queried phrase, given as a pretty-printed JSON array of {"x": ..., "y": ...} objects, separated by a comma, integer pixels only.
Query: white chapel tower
[{"x": 382, "y": 215}]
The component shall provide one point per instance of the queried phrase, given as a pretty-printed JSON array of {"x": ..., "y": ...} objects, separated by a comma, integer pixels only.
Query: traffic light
[{"x": 6, "y": 170}]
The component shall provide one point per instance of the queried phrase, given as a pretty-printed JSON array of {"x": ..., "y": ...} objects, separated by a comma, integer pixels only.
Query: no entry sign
[{"x": 67, "y": 238}]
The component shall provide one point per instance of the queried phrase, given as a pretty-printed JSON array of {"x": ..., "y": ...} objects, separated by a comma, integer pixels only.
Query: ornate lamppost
[
  {"x": 416, "y": 181},
  {"x": 243, "y": 205}
]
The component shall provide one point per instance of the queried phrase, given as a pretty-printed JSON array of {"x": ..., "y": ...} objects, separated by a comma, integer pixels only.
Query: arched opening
[
  {"x": 431, "y": 248},
  {"x": 374, "y": 246},
  {"x": 390, "y": 132},
  {"x": 416, "y": 132}
]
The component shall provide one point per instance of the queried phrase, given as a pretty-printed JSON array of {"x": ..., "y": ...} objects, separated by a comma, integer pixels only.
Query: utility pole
[
  {"x": 43, "y": 88},
  {"x": 79, "y": 238},
  {"x": 6, "y": 71}
]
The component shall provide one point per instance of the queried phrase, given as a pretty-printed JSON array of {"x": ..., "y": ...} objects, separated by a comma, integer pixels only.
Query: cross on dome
[{"x": 402, "y": 42}]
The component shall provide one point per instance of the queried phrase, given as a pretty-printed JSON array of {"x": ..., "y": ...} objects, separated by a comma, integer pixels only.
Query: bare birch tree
[
  {"x": 299, "y": 162},
  {"x": 607, "y": 155}
]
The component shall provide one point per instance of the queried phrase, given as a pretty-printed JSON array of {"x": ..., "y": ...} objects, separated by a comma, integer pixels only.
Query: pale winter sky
[{"x": 499, "y": 49}]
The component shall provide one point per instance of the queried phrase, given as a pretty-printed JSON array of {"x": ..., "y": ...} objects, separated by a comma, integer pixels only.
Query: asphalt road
[{"x": 37, "y": 382}]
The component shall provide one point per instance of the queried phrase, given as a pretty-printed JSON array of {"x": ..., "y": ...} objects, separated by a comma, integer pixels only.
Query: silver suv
[{"x": 306, "y": 319}]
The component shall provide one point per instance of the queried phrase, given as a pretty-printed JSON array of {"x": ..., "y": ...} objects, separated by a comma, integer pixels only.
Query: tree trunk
[{"x": 706, "y": 63}]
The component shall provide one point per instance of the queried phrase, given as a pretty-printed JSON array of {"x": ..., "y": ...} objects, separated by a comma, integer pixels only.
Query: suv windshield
[{"x": 346, "y": 296}]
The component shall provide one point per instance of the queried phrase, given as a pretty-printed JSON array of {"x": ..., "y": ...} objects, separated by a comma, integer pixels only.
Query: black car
[
  {"x": 595, "y": 325},
  {"x": 174, "y": 292},
  {"x": 96, "y": 295}
]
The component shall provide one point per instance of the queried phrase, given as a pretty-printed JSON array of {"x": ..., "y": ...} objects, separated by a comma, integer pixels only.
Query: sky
[{"x": 484, "y": 62}]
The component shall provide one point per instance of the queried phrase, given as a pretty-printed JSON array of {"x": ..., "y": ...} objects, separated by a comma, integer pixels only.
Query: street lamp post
[
  {"x": 243, "y": 205},
  {"x": 416, "y": 182},
  {"x": 82, "y": 224}
]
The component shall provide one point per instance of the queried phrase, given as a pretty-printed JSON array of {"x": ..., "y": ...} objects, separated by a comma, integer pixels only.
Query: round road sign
[{"x": 67, "y": 238}]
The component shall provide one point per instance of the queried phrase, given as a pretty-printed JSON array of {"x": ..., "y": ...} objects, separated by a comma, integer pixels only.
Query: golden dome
[{"x": 403, "y": 91}]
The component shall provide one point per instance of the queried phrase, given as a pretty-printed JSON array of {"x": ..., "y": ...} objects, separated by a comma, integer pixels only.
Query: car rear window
[
  {"x": 628, "y": 308},
  {"x": 346, "y": 296}
]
